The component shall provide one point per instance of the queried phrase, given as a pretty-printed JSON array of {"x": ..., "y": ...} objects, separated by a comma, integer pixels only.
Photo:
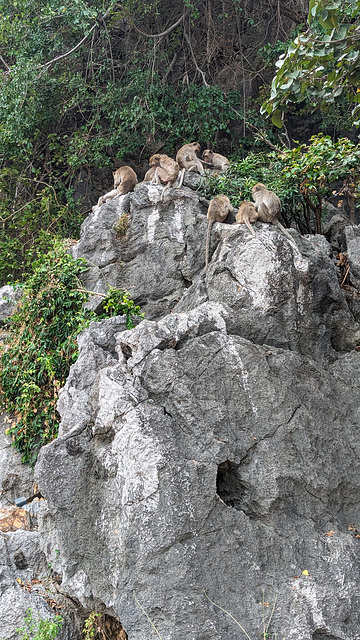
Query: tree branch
[
  {"x": 64, "y": 55},
  {"x": 4, "y": 63},
  {"x": 194, "y": 60},
  {"x": 159, "y": 35}
]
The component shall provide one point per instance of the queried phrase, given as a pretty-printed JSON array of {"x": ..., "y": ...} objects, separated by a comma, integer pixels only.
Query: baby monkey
[
  {"x": 268, "y": 207},
  {"x": 218, "y": 210},
  {"x": 247, "y": 214}
]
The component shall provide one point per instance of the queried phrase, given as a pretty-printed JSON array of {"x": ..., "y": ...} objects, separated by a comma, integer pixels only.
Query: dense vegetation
[
  {"x": 86, "y": 85},
  {"x": 42, "y": 345}
]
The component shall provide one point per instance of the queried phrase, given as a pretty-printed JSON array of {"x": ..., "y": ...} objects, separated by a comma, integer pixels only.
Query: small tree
[{"x": 315, "y": 167}]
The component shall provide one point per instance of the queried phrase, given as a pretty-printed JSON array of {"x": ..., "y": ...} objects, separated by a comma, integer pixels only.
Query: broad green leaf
[{"x": 276, "y": 118}]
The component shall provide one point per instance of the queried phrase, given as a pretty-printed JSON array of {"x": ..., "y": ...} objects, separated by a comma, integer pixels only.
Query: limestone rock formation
[
  {"x": 207, "y": 459},
  {"x": 8, "y": 299}
]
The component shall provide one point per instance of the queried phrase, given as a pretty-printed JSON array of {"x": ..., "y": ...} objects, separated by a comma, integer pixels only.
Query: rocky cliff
[{"x": 205, "y": 475}]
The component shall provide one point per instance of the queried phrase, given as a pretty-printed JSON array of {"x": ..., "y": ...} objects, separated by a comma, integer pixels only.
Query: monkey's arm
[{"x": 263, "y": 211}]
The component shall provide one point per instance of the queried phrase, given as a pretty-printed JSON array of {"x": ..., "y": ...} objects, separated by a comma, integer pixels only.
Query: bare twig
[
  {"x": 4, "y": 63},
  {"x": 229, "y": 614},
  {"x": 148, "y": 617},
  {"x": 256, "y": 130}
]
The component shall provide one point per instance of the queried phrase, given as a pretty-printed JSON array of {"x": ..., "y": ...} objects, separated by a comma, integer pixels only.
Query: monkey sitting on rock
[
  {"x": 125, "y": 180},
  {"x": 268, "y": 207},
  {"x": 247, "y": 214},
  {"x": 166, "y": 171},
  {"x": 219, "y": 208},
  {"x": 187, "y": 158}
]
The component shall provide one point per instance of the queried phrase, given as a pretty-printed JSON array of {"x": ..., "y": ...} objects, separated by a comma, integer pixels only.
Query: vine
[{"x": 36, "y": 358}]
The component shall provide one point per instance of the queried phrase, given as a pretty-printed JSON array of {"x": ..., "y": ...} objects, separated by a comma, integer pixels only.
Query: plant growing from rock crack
[
  {"x": 36, "y": 358},
  {"x": 37, "y": 628},
  {"x": 121, "y": 226},
  {"x": 92, "y": 627}
]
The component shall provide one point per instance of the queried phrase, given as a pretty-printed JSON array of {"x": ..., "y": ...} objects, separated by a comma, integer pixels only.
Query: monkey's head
[
  {"x": 196, "y": 146},
  {"x": 224, "y": 201},
  {"x": 155, "y": 160},
  {"x": 258, "y": 187},
  {"x": 208, "y": 156}
]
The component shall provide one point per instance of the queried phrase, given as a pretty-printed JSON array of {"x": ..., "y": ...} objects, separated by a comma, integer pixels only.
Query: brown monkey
[
  {"x": 248, "y": 214},
  {"x": 125, "y": 180},
  {"x": 216, "y": 160},
  {"x": 219, "y": 208},
  {"x": 268, "y": 206},
  {"x": 149, "y": 174},
  {"x": 166, "y": 170},
  {"x": 187, "y": 158}
]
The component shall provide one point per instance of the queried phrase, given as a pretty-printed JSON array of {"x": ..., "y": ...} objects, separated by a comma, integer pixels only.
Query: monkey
[
  {"x": 268, "y": 206},
  {"x": 187, "y": 159},
  {"x": 149, "y": 174},
  {"x": 219, "y": 208},
  {"x": 216, "y": 160},
  {"x": 125, "y": 180},
  {"x": 166, "y": 171},
  {"x": 248, "y": 214}
]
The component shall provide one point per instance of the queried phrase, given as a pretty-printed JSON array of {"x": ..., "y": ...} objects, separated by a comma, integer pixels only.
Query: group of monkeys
[{"x": 164, "y": 170}]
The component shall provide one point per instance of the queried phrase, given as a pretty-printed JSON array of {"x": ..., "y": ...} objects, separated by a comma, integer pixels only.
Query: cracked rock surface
[{"x": 210, "y": 455}]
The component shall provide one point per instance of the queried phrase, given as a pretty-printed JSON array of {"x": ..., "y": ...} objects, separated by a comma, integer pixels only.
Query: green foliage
[
  {"x": 36, "y": 359},
  {"x": 117, "y": 302},
  {"x": 239, "y": 178},
  {"x": 37, "y": 628},
  {"x": 57, "y": 118},
  {"x": 322, "y": 64},
  {"x": 91, "y": 626},
  {"x": 302, "y": 177}
]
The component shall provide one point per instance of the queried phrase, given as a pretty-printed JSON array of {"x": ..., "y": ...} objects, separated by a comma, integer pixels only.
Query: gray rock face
[
  {"x": 214, "y": 448},
  {"x": 16, "y": 479},
  {"x": 334, "y": 229},
  {"x": 274, "y": 294},
  {"x": 352, "y": 235},
  {"x": 8, "y": 298},
  {"x": 207, "y": 460},
  {"x": 158, "y": 256},
  {"x": 226, "y": 468},
  {"x": 25, "y": 584}
]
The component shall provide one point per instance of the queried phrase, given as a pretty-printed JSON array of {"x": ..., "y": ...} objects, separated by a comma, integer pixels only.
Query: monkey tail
[
  {"x": 181, "y": 178},
  {"x": 207, "y": 248},
  {"x": 287, "y": 234},
  {"x": 249, "y": 226}
]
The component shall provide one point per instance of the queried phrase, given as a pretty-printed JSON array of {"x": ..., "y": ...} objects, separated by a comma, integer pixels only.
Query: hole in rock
[
  {"x": 103, "y": 626},
  {"x": 229, "y": 486},
  {"x": 127, "y": 351}
]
